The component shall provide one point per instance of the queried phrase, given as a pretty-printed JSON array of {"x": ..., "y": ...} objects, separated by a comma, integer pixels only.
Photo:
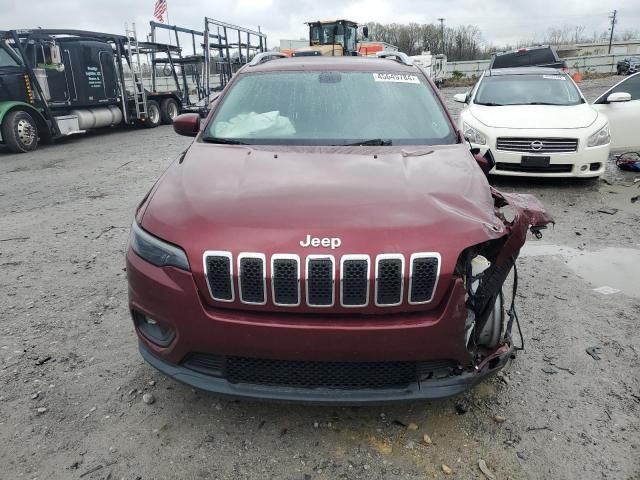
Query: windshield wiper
[
  {"x": 373, "y": 141},
  {"x": 227, "y": 141},
  {"x": 490, "y": 104}
]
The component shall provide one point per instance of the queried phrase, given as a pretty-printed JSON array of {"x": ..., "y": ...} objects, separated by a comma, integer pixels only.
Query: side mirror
[
  {"x": 461, "y": 97},
  {"x": 486, "y": 161},
  {"x": 187, "y": 124},
  {"x": 619, "y": 97},
  {"x": 56, "y": 58},
  {"x": 365, "y": 31}
]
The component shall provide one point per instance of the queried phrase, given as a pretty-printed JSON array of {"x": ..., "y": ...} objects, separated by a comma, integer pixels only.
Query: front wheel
[
  {"x": 169, "y": 110},
  {"x": 20, "y": 132}
]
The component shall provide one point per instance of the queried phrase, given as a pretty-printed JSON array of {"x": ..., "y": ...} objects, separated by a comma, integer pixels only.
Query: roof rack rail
[
  {"x": 397, "y": 56},
  {"x": 265, "y": 57}
]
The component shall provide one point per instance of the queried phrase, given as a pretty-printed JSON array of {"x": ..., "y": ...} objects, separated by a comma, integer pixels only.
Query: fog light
[
  {"x": 152, "y": 330},
  {"x": 594, "y": 166},
  {"x": 584, "y": 168}
]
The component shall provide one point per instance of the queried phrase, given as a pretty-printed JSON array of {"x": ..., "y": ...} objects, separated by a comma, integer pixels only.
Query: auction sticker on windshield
[{"x": 396, "y": 78}]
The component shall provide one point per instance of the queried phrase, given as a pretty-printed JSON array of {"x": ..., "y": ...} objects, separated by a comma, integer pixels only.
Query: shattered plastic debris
[
  {"x": 608, "y": 211},
  {"x": 594, "y": 352},
  {"x": 485, "y": 469}
]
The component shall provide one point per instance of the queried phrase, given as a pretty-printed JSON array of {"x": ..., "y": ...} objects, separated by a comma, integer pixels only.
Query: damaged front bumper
[{"x": 422, "y": 390}]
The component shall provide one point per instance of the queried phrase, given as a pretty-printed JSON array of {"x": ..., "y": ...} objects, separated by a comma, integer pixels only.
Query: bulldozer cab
[{"x": 333, "y": 37}]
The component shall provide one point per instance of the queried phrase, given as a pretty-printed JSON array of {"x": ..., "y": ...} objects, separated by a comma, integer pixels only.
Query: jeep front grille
[{"x": 326, "y": 281}]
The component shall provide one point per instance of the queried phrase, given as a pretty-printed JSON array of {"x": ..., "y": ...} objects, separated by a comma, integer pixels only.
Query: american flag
[{"x": 160, "y": 9}]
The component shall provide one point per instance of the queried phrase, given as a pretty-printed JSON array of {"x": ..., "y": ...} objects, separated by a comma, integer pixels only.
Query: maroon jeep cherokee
[{"x": 327, "y": 237}]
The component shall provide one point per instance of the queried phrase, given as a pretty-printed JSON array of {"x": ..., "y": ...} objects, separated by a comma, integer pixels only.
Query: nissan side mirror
[
  {"x": 486, "y": 162},
  {"x": 187, "y": 124},
  {"x": 619, "y": 97},
  {"x": 461, "y": 97}
]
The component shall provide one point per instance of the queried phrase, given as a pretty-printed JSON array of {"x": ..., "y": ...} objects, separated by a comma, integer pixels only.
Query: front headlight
[
  {"x": 473, "y": 135},
  {"x": 601, "y": 137},
  {"x": 155, "y": 251}
]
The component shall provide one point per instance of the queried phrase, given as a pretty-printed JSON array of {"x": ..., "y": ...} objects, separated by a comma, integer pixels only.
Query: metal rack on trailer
[
  {"x": 225, "y": 64},
  {"x": 190, "y": 66},
  {"x": 59, "y": 82}
]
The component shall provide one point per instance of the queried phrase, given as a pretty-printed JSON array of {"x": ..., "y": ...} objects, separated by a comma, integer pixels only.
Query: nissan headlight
[
  {"x": 601, "y": 137},
  {"x": 473, "y": 135},
  {"x": 155, "y": 251}
]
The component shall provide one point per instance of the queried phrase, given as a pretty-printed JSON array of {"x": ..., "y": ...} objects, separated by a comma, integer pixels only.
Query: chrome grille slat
[
  {"x": 218, "y": 268},
  {"x": 320, "y": 280},
  {"x": 354, "y": 281},
  {"x": 423, "y": 277},
  {"x": 547, "y": 145},
  {"x": 252, "y": 278},
  {"x": 389, "y": 279},
  {"x": 285, "y": 280}
]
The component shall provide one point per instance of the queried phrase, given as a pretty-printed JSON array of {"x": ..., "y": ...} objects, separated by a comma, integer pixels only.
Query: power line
[{"x": 612, "y": 17}]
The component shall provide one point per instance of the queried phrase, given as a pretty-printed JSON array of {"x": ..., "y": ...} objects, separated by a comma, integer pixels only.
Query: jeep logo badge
[{"x": 326, "y": 242}]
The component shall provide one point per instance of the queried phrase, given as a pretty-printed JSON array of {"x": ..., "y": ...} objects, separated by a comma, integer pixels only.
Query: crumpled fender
[{"x": 530, "y": 214}]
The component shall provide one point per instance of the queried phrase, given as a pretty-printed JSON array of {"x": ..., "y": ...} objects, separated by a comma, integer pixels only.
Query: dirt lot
[{"x": 72, "y": 381}]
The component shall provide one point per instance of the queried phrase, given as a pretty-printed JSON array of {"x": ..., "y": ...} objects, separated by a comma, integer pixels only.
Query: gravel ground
[{"x": 72, "y": 381}]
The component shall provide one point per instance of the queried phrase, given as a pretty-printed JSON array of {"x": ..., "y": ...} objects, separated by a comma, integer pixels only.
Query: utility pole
[
  {"x": 614, "y": 20},
  {"x": 441, "y": 20}
]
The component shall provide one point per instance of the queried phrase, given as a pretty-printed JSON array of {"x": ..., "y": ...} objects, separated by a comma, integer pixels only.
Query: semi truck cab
[{"x": 56, "y": 83}]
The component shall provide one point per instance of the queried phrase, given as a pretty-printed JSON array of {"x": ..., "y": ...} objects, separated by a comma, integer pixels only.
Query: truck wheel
[
  {"x": 20, "y": 132},
  {"x": 169, "y": 109},
  {"x": 153, "y": 114}
]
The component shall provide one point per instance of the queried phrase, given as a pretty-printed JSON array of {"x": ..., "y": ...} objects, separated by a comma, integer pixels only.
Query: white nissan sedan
[{"x": 536, "y": 122}]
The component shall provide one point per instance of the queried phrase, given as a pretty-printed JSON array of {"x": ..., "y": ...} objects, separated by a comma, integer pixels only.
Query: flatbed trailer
[{"x": 58, "y": 82}]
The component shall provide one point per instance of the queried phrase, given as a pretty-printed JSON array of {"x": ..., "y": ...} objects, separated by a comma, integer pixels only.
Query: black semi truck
[{"x": 55, "y": 83}]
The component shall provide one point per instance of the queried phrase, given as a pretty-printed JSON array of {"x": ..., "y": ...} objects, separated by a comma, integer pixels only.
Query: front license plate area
[{"x": 532, "y": 161}]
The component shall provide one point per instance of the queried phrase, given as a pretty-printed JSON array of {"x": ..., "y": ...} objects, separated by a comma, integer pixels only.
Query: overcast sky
[{"x": 501, "y": 21}]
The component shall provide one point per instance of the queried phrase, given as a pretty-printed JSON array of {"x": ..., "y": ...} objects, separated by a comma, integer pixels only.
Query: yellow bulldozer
[{"x": 332, "y": 38}]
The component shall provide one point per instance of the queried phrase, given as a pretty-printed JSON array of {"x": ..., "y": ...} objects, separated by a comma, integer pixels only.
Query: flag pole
[{"x": 168, "y": 22}]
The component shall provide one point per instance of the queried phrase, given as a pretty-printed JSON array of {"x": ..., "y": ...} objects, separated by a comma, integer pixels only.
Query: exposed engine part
[
  {"x": 98, "y": 117},
  {"x": 491, "y": 333}
]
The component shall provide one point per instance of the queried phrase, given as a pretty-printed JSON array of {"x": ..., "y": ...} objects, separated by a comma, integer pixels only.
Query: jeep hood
[
  {"x": 247, "y": 198},
  {"x": 375, "y": 199},
  {"x": 535, "y": 116}
]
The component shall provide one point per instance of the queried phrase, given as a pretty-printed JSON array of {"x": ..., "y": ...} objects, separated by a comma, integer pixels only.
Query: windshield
[
  {"x": 322, "y": 34},
  {"x": 331, "y": 108},
  {"x": 554, "y": 89},
  {"x": 6, "y": 60}
]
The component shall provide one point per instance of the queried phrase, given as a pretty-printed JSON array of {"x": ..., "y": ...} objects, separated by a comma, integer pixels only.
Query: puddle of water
[{"x": 613, "y": 267}]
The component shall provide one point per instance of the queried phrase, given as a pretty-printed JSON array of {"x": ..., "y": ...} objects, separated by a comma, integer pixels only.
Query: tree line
[{"x": 465, "y": 42}]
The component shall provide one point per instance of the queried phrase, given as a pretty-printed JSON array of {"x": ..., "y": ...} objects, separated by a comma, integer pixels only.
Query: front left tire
[{"x": 20, "y": 132}]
